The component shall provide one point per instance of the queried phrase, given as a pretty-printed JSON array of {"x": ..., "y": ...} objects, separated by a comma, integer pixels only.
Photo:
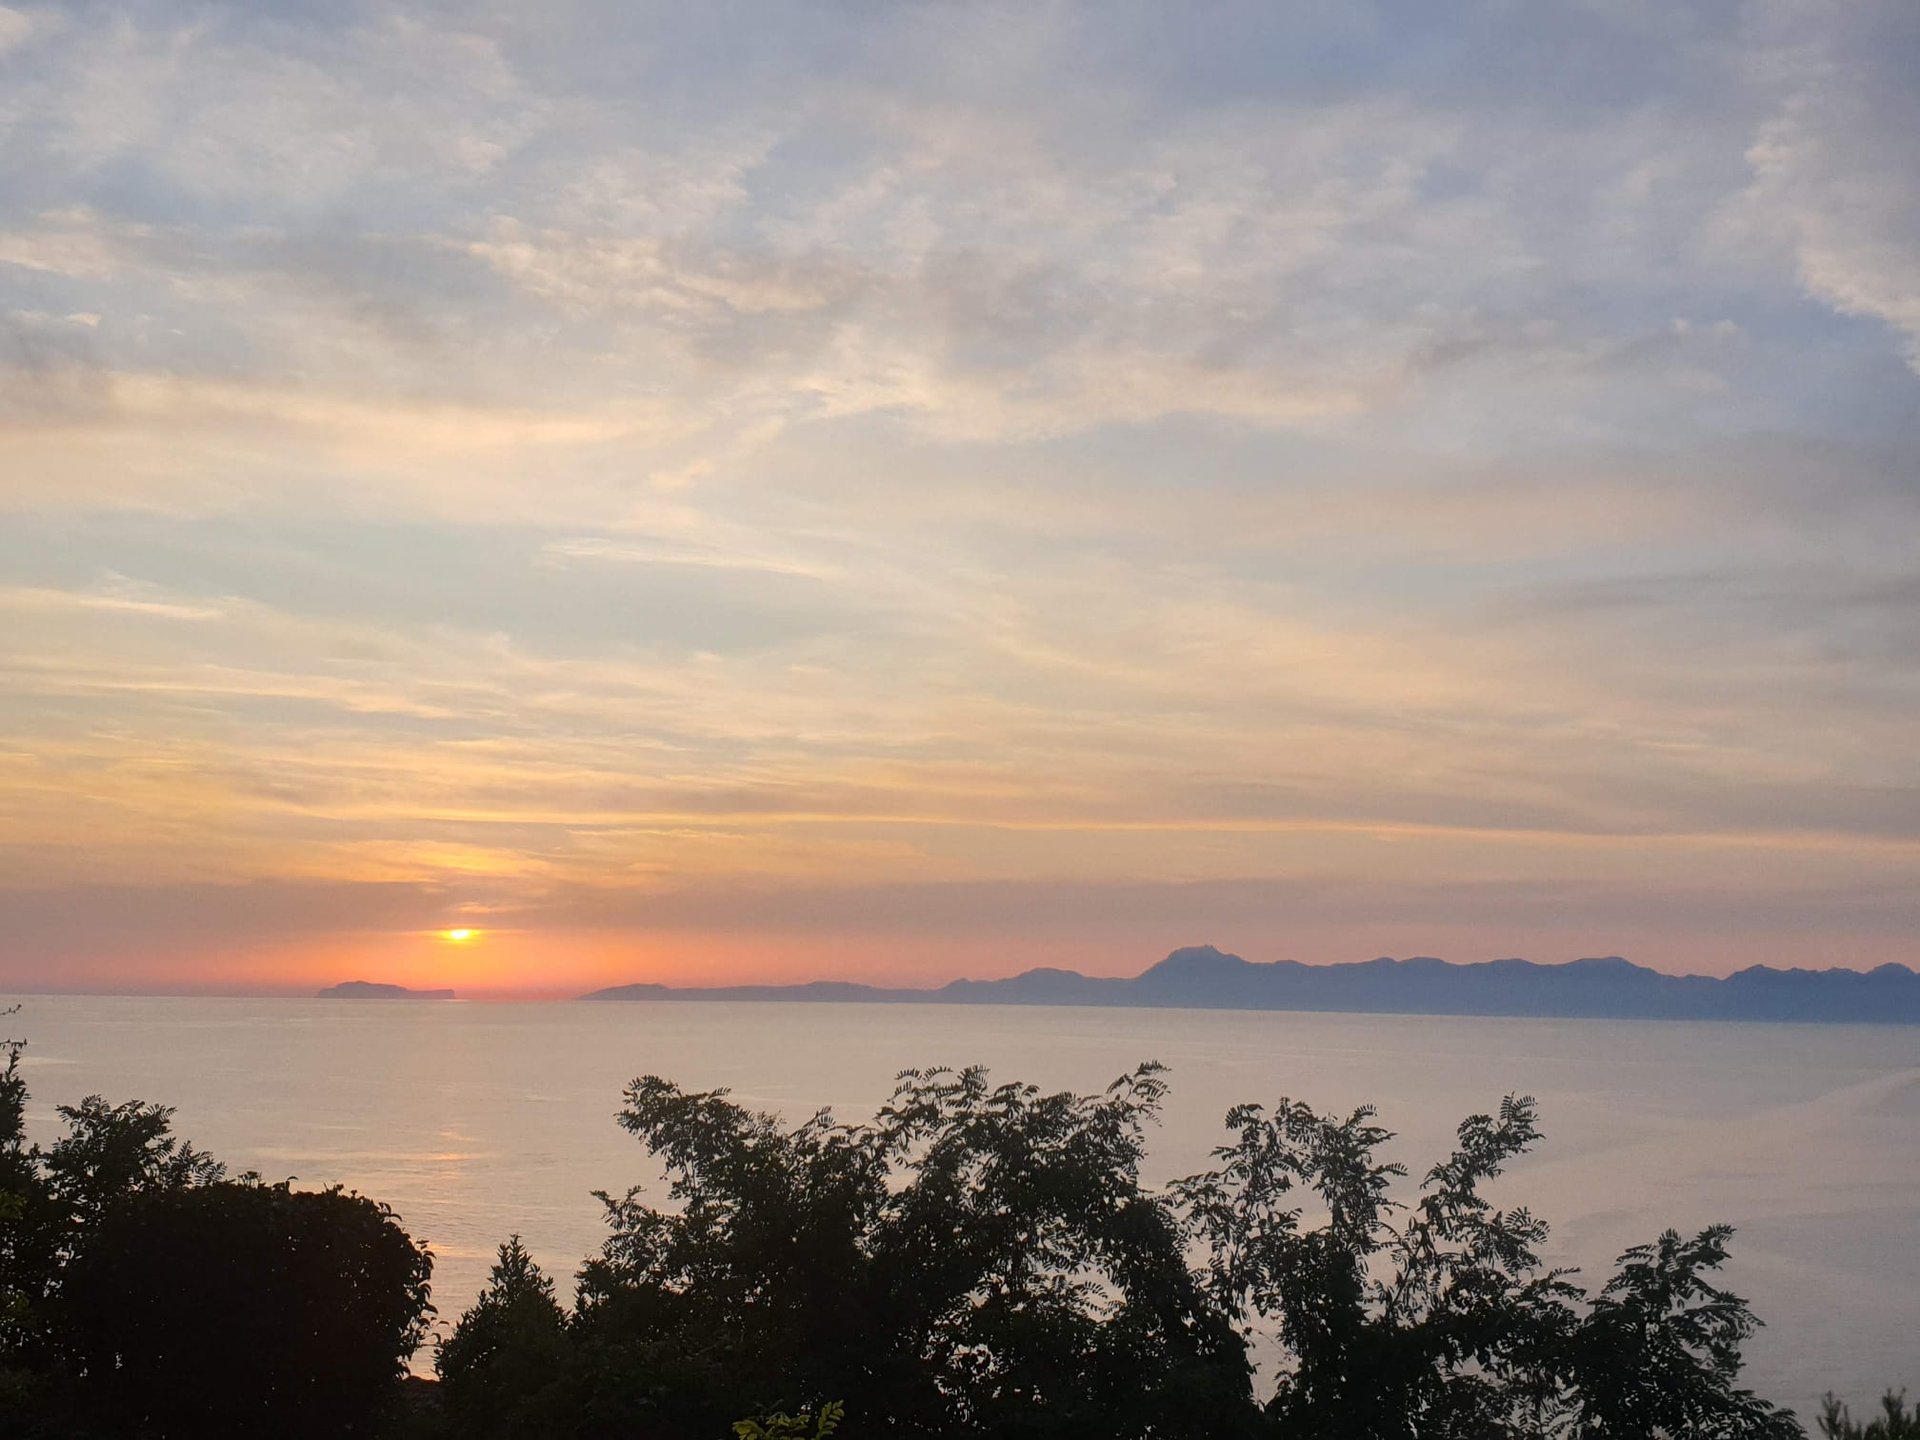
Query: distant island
[
  {"x": 373, "y": 990},
  {"x": 1201, "y": 977}
]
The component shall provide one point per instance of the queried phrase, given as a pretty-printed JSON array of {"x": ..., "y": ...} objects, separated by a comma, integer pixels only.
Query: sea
[{"x": 476, "y": 1120}]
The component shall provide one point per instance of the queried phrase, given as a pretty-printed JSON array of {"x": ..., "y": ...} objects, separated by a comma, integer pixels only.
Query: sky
[{"x": 899, "y": 490}]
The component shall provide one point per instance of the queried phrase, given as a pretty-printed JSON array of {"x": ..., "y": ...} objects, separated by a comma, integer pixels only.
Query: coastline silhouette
[{"x": 1202, "y": 977}]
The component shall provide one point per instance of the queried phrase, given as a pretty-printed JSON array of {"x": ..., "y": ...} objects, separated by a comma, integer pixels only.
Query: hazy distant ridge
[
  {"x": 1202, "y": 977},
  {"x": 376, "y": 990}
]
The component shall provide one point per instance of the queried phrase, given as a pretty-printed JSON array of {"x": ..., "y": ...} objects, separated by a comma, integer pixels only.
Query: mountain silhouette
[
  {"x": 376, "y": 990},
  {"x": 1202, "y": 977}
]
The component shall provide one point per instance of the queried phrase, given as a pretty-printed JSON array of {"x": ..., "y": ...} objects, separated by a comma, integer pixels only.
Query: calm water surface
[{"x": 477, "y": 1120}]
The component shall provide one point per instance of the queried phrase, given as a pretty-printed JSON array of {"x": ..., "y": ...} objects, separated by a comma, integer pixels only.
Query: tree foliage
[
  {"x": 1438, "y": 1319},
  {"x": 984, "y": 1259},
  {"x": 53, "y": 1199},
  {"x": 807, "y": 1425},
  {"x": 499, "y": 1366},
  {"x": 144, "y": 1294},
  {"x": 1894, "y": 1422},
  {"x": 242, "y": 1309},
  {"x": 976, "y": 1259},
  {"x": 1659, "y": 1353},
  {"x": 20, "y": 1269},
  {"x": 112, "y": 1153}
]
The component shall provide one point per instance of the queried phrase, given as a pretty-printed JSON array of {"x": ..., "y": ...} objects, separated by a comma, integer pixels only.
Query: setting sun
[{"x": 458, "y": 936}]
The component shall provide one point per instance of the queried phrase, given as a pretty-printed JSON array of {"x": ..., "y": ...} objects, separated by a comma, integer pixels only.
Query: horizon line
[{"x": 547, "y": 993}]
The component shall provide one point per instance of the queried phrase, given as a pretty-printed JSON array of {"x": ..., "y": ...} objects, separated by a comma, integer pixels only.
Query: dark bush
[
  {"x": 1894, "y": 1422},
  {"x": 499, "y": 1366},
  {"x": 112, "y": 1152},
  {"x": 1436, "y": 1319},
  {"x": 24, "y": 1263},
  {"x": 50, "y": 1199},
  {"x": 983, "y": 1260},
  {"x": 241, "y": 1309},
  {"x": 976, "y": 1260}
]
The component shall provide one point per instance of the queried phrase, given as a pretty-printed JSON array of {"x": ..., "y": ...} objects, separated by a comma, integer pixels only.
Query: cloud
[
  {"x": 911, "y": 451},
  {"x": 119, "y": 596},
  {"x": 75, "y": 251},
  {"x": 655, "y": 551},
  {"x": 15, "y": 28},
  {"x": 1834, "y": 171},
  {"x": 256, "y": 107}
]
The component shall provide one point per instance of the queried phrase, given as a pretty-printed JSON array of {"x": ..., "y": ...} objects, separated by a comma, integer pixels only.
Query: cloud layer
[{"x": 941, "y": 487}]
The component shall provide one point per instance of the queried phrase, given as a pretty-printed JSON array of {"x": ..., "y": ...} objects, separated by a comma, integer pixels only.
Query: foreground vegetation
[{"x": 976, "y": 1260}]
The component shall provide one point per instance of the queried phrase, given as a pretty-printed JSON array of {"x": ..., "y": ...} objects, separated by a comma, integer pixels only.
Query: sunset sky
[{"x": 898, "y": 490}]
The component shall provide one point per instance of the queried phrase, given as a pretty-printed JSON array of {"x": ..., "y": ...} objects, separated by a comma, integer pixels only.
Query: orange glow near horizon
[
  {"x": 539, "y": 964},
  {"x": 515, "y": 964}
]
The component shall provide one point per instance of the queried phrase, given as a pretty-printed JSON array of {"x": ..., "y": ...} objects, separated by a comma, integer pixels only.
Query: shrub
[
  {"x": 499, "y": 1365},
  {"x": 1894, "y": 1422},
  {"x": 241, "y": 1309},
  {"x": 807, "y": 1425}
]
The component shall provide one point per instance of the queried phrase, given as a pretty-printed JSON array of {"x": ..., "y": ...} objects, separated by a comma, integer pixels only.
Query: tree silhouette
[
  {"x": 241, "y": 1309},
  {"x": 1894, "y": 1422},
  {"x": 976, "y": 1260},
  {"x": 1438, "y": 1319},
  {"x": 111, "y": 1153},
  {"x": 499, "y": 1366},
  {"x": 142, "y": 1294},
  {"x": 983, "y": 1259}
]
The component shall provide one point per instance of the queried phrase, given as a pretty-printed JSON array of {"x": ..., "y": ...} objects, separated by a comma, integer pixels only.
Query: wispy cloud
[{"x": 642, "y": 471}]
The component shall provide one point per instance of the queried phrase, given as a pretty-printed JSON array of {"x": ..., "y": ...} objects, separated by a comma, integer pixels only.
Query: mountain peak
[{"x": 1197, "y": 961}]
